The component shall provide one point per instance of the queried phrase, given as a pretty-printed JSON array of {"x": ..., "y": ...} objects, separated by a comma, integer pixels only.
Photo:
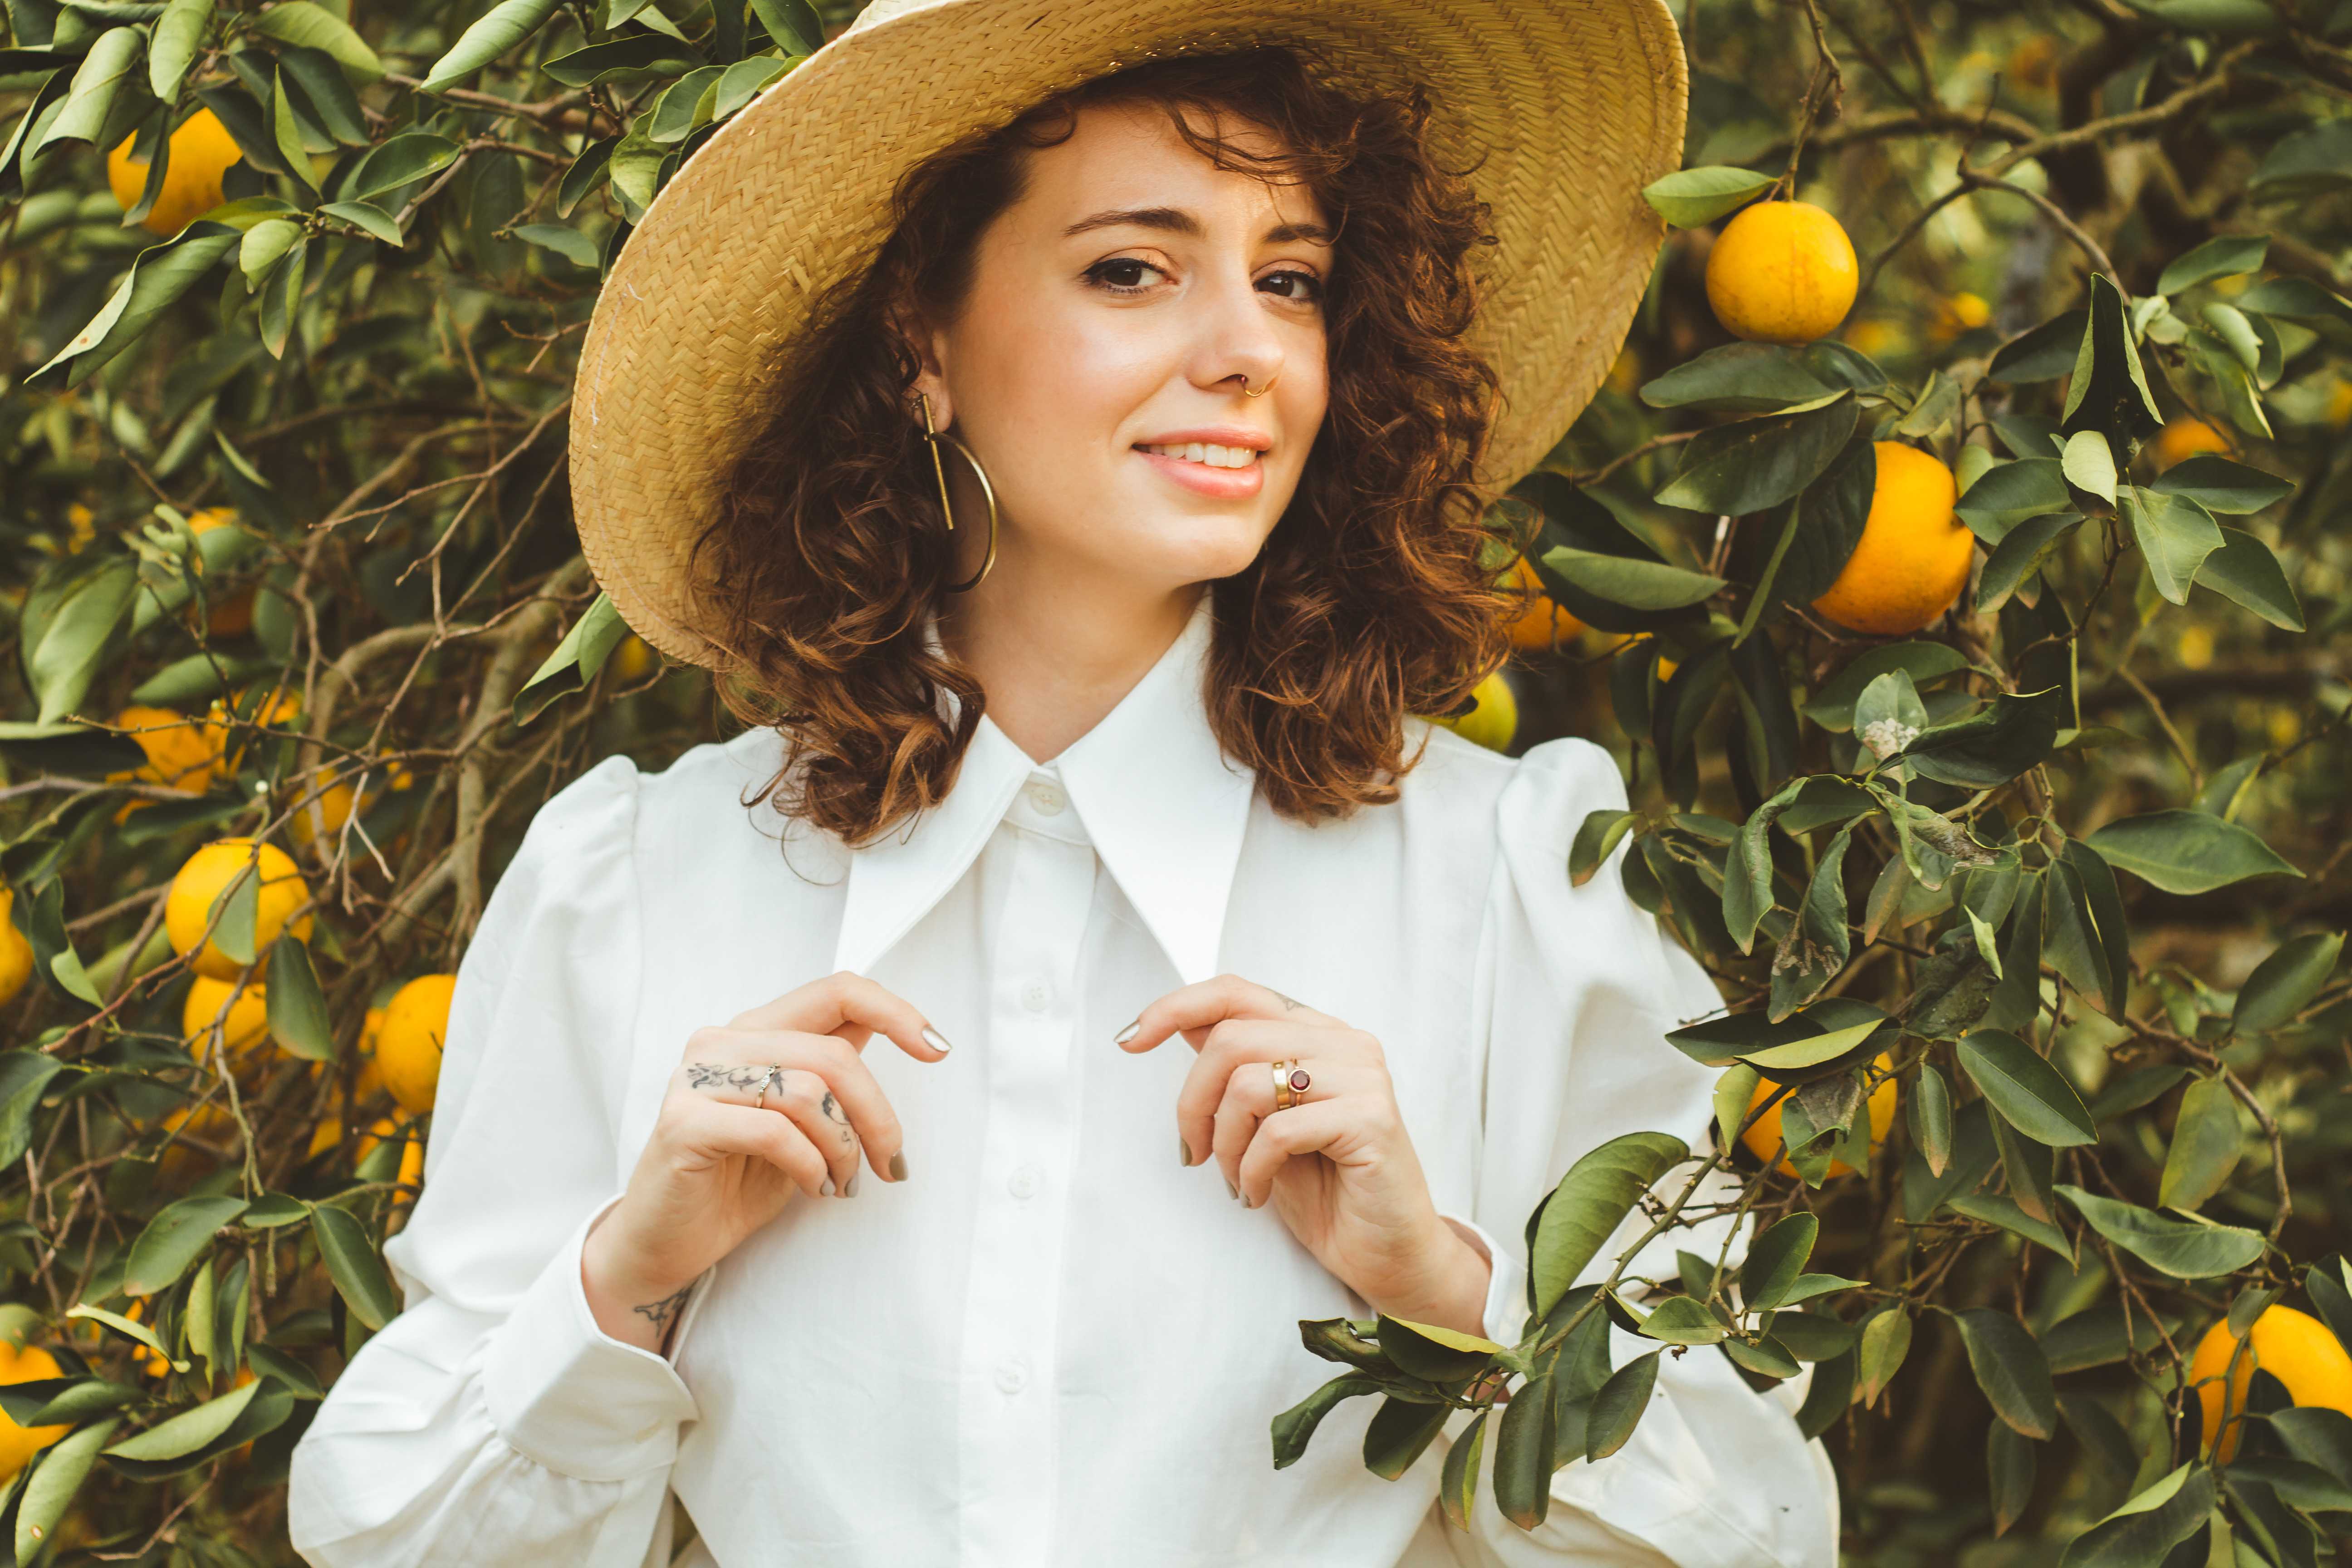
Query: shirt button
[
  {"x": 1023, "y": 1181},
  {"x": 1034, "y": 997},
  {"x": 1046, "y": 797},
  {"x": 1012, "y": 1376}
]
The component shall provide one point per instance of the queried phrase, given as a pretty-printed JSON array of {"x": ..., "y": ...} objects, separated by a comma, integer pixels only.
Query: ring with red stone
[{"x": 1290, "y": 1081}]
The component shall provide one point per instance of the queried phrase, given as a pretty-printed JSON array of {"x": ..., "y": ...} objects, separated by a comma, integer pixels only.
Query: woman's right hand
[{"x": 719, "y": 1164}]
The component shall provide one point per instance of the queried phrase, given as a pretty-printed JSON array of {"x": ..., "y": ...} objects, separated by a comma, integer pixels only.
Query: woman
[{"x": 1082, "y": 724}]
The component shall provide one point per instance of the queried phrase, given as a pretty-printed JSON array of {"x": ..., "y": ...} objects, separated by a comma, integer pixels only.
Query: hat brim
[{"x": 1566, "y": 108}]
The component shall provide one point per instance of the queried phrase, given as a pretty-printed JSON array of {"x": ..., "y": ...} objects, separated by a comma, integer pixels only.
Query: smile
[{"x": 1214, "y": 456}]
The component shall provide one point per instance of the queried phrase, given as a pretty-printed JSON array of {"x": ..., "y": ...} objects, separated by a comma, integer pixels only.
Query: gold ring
[
  {"x": 1290, "y": 1081},
  {"x": 767, "y": 1082}
]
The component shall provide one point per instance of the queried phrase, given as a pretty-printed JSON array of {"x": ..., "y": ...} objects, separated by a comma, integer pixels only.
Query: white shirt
[{"x": 1052, "y": 1344}]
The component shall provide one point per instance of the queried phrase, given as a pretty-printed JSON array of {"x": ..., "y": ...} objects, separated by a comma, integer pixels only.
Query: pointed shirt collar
[{"x": 1162, "y": 805}]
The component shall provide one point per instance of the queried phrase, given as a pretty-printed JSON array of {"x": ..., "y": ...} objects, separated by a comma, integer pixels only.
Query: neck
[{"x": 1056, "y": 649}]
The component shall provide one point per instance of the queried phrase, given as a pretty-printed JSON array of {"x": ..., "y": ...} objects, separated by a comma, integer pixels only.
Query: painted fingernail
[
  {"x": 1231, "y": 1188},
  {"x": 1183, "y": 1152},
  {"x": 935, "y": 1040},
  {"x": 898, "y": 1167},
  {"x": 828, "y": 1188},
  {"x": 1128, "y": 1034},
  {"x": 851, "y": 1191}
]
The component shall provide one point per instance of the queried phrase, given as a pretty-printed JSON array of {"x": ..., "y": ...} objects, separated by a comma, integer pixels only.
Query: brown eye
[
  {"x": 1120, "y": 274},
  {"x": 1309, "y": 287}
]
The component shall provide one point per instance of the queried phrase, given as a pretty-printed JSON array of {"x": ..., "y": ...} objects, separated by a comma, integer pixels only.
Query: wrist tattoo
[
  {"x": 664, "y": 1311},
  {"x": 741, "y": 1077}
]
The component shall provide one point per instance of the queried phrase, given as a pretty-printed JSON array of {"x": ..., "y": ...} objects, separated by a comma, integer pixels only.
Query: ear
[{"x": 929, "y": 349}]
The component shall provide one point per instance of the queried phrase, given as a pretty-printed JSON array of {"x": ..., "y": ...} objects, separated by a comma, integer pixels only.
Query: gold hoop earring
[
  {"x": 1261, "y": 392},
  {"x": 946, "y": 507}
]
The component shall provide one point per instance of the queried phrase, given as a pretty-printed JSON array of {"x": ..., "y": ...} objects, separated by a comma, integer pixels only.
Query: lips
[{"x": 1221, "y": 484}]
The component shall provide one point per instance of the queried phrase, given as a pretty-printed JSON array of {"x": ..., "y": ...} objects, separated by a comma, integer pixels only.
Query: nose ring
[{"x": 1261, "y": 392}]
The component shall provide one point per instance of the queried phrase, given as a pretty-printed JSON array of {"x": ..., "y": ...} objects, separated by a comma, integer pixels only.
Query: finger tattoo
[
  {"x": 665, "y": 1310},
  {"x": 1286, "y": 1003},
  {"x": 833, "y": 1113},
  {"x": 741, "y": 1077}
]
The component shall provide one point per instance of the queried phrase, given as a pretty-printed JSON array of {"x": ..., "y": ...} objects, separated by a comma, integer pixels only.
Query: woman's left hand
[{"x": 1337, "y": 1162}]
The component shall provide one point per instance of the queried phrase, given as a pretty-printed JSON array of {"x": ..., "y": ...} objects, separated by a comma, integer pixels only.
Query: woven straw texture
[{"x": 1572, "y": 105}]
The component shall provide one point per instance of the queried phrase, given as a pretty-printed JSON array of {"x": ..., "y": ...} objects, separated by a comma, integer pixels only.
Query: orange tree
[{"x": 1948, "y": 561}]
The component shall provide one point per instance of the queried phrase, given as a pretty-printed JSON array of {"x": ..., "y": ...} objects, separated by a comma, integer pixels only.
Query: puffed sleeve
[
  {"x": 1575, "y": 988},
  {"x": 492, "y": 1422}
]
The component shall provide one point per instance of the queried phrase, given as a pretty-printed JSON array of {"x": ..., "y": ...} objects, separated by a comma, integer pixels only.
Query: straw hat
[{"x": 1574, "y": 106}]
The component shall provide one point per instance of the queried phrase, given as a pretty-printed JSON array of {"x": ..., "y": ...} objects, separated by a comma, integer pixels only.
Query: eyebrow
[{"x": 1175, "y": 220}]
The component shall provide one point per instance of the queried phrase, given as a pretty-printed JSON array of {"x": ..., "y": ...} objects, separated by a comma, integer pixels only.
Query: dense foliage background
[{"x": 2029, "y": 918}]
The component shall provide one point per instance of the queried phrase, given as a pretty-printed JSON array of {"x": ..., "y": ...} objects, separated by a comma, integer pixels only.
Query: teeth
[{"x": 1214, "y": 456}]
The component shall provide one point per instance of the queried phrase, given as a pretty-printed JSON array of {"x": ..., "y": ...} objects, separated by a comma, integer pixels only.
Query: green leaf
[
  {"x": 2009, "y": 493},
  {"x": 792, "y": 23},
  {"x": 53, "y": 1485},
  {"x": 2227, "y": 16},
  {"x": 1775, "y": 1260},
  {"x": 353, "y": 1265},
  {"x": 1589, "y": 1202},
  {"x": 178, "y": 34},
  {"x": 1690, "y": 197},
  {"x": 1755, "y": 464},
  {"x": 1457, "y": 1489},
  {"x": 1929, "y": 1107},
  {"x": 322, "y": 89},
  {"x": 24, "y": 1075},
  {"x": 2089, "y": 465},
  {"x": 190, "y": 1430},
  {"x": 174, "y": 1240},
  {"x": 2205, "y": 1145},
  {"x": 1400, "y": 1430},
  {"x": 1679, "y": 1321},
  {"x": 1636, "y": 584},
  {"x": 1748, "y": 869},
  {"x": 505, "y": 27},
  {"x": 2298, "y": 299},
  {"x": 2187, "y": 851},
  {"x": 2010, "y": 1468},
  {"x": 97, "y": 82},
  {"x": 2174, "y": 532},
  {"x": 2244, "y": 571},
  {"x": 1989, "y": 747},
  {"x": 641, "y": 54},
  {"x": 1526, "y": 1441},
  {"x": 1885, "y": 1342},
  {"x": 2183, "y": 1248},
  {"x": 264, "y": 244},
  {"x": 77, "y": 631},
  {"x": 1617, "y": 1409},
  {"x": 1832, "y": 707},
  {"x": 567, "y": 242},
  {"x": 2223, "y": 255},
  {"x": 2283, "y": 984},
  {"x": 288, "y": 135},
  {"x": 399, "y": 161},
  {"x": 2308, "y": 164},
  {"x": 2011, "y": 563},
  {"x": 2103, "y": 1335},
  {"x": 2030, "y": 1094},
  {"x": 2218, "y": 485},
  {"x": 1596, "y": 840},
  {"x": 2109, "y": 391},
  {"x": 314, "y": 27},
  {"x": 297, "y": 1007},
  {"x": 576, "y": 661},
  {"x": 1737, "y": 378},
  {"x": 2040, "y": 354},
  {"x": 2011, "y": 1369},
  {"x": 159, "y": 276},
  {"x": 367, "y": 217},
  {"x": 2143, "y": 1530}
]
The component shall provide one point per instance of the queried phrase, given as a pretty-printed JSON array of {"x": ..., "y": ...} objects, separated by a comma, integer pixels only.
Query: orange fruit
[
  {"x": 320, "y": 821},
  {"x": 247, "y": 1022},
  {"x": 1915, "y": 553},
  {"x": 154, "y": 1363},
  {"x": 2294, "y": 1347},
  {"x": 16, "y": 952},
  {"x": 231, "y": 616},
  {"x": 1763, "y": 1137},
  {"x": 202, "y": 151},
  {"x": 1962, "y": 313},
  {"x": 181, "y": 752},
  {"x": 1782, "y": 272},
  {"x": 632, "y": 660},
  {"x": 1542, "y": 625},
  {"x": 1495, "y": 721},
  {"x": 187, "y": 909},
  {"x": 2185, "y": 435},
  {"x": 19, "y": 1443},
  {"x": 408, "y": 1044}
]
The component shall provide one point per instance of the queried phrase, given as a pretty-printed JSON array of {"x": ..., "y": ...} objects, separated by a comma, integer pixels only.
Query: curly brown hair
[{"x": 1371, "y": 598}]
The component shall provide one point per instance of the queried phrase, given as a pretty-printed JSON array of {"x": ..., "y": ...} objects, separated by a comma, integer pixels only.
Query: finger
[
  {"x": 846, "y": 1002},
  {"x": 1301, "y": 1129},
  {"x": 1249, "y": 1099},
  {"x": 1230, "y": 1046},
  {"x": 732, "y": 1064},
  {"x": 1192, "y": 1010},
  {"x": 813, "y": 1106},
  {"x": 776, "y": 1140}
]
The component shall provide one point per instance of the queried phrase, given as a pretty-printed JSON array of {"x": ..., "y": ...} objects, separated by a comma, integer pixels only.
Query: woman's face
[{"x": 1121, "y": 305}]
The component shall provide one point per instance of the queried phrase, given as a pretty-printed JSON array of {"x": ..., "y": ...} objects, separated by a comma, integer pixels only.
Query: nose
[{"x": 1240, "y": 348}]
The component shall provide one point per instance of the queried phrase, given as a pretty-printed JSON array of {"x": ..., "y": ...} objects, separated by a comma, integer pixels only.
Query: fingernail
[
  {"x": 851, "y": 1191},
  {"x": 935, "y": 1040},
  {"x": 1128, "y": 1034},
  {"x": 898, "y": 1167},
  {"x": 1232, "y": 1189},
  {"x": 828, "y": 1188},
  {"x": 1183, "y": 1152}
]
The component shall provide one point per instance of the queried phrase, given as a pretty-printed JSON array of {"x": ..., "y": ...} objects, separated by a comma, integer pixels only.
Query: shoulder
[
  {"x": 1536, "y": 799},
  {"x": 617, "y": 805}
]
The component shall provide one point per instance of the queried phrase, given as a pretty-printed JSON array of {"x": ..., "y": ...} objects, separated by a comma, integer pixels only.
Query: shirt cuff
[
  {"x": 1505, "y": 1319},
  {"x": 571, "y": 1397}
]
